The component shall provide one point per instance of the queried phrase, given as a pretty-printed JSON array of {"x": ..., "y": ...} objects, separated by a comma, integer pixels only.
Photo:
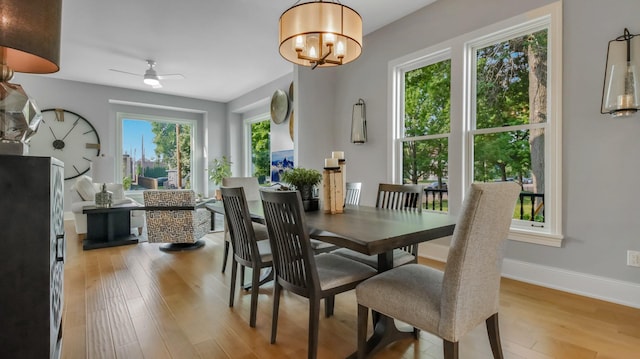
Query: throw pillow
[{"x": 85, "y": 189}]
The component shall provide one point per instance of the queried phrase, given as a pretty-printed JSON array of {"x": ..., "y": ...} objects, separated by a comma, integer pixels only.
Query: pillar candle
[
  {"x": 330, "y": 162},
  {"x": 338, "y": 155}
]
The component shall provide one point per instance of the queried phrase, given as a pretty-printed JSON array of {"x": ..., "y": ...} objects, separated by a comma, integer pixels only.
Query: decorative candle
[
  {"x": 338, "y": 155},
  {"x": 330, "y": 162}
]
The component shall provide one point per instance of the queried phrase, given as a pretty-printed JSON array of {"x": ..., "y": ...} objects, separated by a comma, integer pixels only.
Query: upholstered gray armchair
[
  {"x": 172, "y": 218},
  {"x": 451, "y": 303}
]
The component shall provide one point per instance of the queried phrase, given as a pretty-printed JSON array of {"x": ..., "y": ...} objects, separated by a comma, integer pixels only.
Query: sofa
[{"x": 83, "y": 194}]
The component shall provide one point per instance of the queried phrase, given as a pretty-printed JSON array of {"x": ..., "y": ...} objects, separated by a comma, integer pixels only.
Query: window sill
[{"x": 545, "y": 239}]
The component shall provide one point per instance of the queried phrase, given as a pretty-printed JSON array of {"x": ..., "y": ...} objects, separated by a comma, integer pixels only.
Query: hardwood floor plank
[{"x": 138, "y": 302}]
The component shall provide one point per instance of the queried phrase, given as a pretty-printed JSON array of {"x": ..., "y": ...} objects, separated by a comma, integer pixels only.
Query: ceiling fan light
[{"x": 151, "y": 81}]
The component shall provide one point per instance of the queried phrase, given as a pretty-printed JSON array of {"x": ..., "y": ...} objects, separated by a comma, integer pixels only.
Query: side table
[{"x": 108, "y": 227}]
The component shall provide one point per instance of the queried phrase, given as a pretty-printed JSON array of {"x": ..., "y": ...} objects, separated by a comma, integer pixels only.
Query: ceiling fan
[{"x": 151, "y": 77}]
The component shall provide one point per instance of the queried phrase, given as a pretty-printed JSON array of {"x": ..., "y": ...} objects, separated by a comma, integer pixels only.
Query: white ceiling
[{"x": 224, "y": 48}]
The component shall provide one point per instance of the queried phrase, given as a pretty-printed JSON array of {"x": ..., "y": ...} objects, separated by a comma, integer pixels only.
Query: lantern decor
[{"x": 620, "y": 90}]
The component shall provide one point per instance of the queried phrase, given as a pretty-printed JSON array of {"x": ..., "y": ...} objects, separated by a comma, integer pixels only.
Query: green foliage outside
[
  {"x": 427, "y": 106},
  {"x": 510, "y": 91},
  {"x": 261, "y": 148},
  {"x": 126, "y": 183},
  {"x": 165, "y": 141}
]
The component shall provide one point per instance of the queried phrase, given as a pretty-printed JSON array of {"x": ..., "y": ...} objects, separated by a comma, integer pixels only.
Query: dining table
[{"x": 371, "y": 231}]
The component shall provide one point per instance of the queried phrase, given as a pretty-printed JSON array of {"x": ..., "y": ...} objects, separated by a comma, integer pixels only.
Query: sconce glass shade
[
  {"x": 359, "y": 123},
  {"x": 620, "y": 94},
  {"x": 320, "y": 34},
  {"x": 30, "y": 43}
]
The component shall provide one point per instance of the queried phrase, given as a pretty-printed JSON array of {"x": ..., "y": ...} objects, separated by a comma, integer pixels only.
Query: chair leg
[
  {"x": 242, "y": 276},
  {"x": 450, "y": 349},
  {"x": 363, "y": 314},
  {"x": 232, "y": 290},
  {"x": 255, "y": 287},
  {"x": 276, "y": 306},
  {"x": 314, "y": 319},
  {"x": 494, "y": 336},
  {"x": 226, "y": 256},
  {"x": 329, "y": 304}
]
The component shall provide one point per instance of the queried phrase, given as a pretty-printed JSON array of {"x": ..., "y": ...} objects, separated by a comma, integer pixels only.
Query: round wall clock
[
  {"x": 279, "y": 107},
  {"x": 68, "y": 137}
]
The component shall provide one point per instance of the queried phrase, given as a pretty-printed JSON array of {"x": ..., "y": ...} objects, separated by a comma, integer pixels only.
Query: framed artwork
[{"x": 280, "y": 161}]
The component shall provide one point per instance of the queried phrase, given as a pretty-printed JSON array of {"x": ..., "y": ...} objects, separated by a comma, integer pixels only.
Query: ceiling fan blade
[
  {"x": 125, "y": 72},
  {"x": 171, "y": 77}
]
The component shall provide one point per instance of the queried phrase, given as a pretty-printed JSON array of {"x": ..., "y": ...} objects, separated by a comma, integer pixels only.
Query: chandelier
[{"x": 320, "y": 34}]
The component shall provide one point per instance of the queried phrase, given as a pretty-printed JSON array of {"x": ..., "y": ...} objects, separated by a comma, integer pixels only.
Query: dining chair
[
  {"x": 451, "y": 303},
  {"x": 352, "y": 195},
  {"x": 252, "y": 193},
  {"x": 298, "y": 270},
  {"x": 394, "y": 197},
  {"x": 247, "y": 251}
]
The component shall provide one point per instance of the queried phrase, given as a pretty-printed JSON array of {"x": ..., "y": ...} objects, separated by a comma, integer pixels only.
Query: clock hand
[
  {"x": 54, "y": 135},
  {"x": 71, "y": 129}
]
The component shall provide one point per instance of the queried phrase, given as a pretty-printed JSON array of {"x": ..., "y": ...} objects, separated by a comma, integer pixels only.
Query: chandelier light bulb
[
  {"x": 299, "y": 43},
  {"x": 341, "y": 50},
  {"x": 329, "y": 39}
]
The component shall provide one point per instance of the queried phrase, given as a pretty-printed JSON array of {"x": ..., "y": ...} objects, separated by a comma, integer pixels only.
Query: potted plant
[
  {"x": 304, "y": 179},
  {"x": 219, "y": 169}
]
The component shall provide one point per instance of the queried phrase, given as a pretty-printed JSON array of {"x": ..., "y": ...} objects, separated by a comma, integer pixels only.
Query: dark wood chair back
[
  {"x": 400, "y": 197},
  {"x": 292, "y": 253},
  {"x": 240, "y": 227}
]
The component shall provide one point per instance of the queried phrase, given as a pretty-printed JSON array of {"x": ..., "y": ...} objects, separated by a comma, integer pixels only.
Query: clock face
[{"x": 68, "y": 137}]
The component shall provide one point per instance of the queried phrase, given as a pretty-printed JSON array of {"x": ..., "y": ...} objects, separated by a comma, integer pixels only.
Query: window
[
  {"x": 503, "y": 123},
  {"x": 156, "y": 152},
  {"x": 426, "y": 127},
  {"x": 259, "y": 148}
]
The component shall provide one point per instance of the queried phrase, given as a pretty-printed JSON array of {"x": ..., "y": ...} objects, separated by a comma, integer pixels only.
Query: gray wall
[
  {"x": 600, "y": 198},
  {"x": 92, "y": 102}
]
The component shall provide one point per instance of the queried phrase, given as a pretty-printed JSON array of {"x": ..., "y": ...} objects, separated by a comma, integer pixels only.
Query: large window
[
  {"x": 485, "y": 107},
  {"x": 156, "y": 152}
]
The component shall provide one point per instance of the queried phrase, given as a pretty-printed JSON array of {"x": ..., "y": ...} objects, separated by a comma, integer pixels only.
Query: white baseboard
[{"x": 607, "y": 289}]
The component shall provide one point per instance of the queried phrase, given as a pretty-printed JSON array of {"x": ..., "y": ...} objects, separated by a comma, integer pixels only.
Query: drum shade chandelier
[
  {"x": 620, "y": 93},
  {"x": 320, "y": 34},
  {"x": 29, "y": 42}
]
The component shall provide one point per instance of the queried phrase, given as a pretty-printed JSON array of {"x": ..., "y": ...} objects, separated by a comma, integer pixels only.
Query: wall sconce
[
  {"x": 359, "y": 123},
  {"x": 620, "y": 90}
]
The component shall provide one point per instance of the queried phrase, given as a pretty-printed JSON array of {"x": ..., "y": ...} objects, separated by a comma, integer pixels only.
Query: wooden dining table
[{"x": 371, "y": 231}]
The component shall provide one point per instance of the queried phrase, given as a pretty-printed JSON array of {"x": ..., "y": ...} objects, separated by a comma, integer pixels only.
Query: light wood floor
[{"x": 138, "y": 302}]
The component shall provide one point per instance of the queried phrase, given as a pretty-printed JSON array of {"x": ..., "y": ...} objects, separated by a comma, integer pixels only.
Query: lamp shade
[
  {"x": 30, "y": 35},
  {"x": 307, "y": 28},
  {"x": 102, "y": 169},
  {"x": 621, "y": 90}
]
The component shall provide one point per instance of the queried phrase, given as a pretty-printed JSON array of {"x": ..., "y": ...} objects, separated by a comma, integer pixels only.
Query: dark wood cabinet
[{"x": 33, "y": 247}]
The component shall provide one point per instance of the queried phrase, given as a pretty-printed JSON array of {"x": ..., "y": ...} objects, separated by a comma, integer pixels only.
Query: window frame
[{"x": 462, "y": 53}]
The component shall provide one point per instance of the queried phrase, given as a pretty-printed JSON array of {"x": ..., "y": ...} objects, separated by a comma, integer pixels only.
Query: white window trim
[{"x": 461, "y": 52}]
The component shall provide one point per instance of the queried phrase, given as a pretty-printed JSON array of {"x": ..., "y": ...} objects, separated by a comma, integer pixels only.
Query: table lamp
[
  {"x": 102, "y": 169},
  {"x": 30, "y": 43}
]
